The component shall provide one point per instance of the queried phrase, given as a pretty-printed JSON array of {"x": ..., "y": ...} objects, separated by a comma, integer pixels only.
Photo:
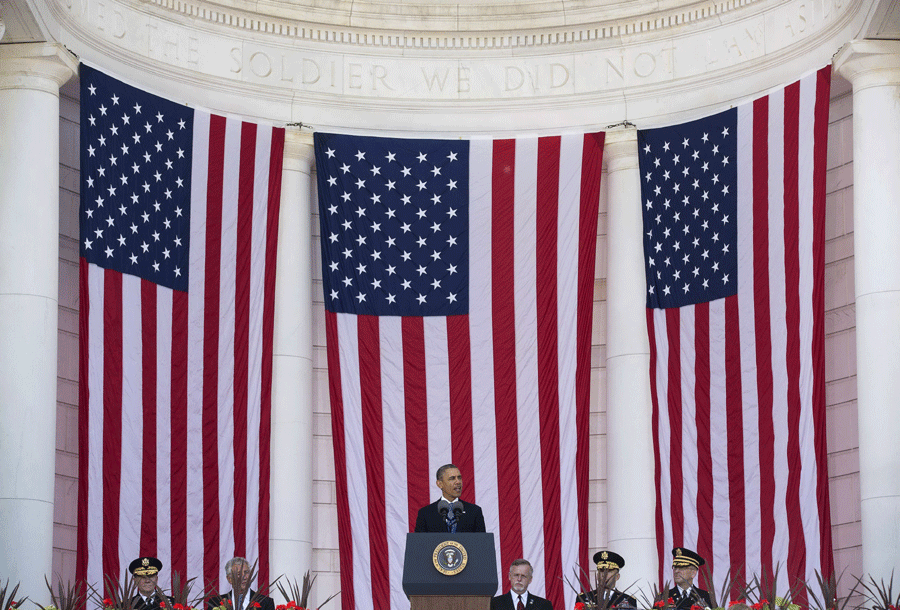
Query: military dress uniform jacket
[
  {"x": 507, "y": 601},
  {"x": 685, "y": 602},
  {"x": 617, "y": 599},
  {"x": 138, "y": 602},
  {"x": 430, "y": 520}
]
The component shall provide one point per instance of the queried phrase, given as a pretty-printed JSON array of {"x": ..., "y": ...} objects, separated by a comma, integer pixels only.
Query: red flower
[
  {"x": 579, "y": 606},
  {"x": 696, "y": 607},
  {"x": 107, "y": 601},
  {"x": 760, "y": 604},
  {"x": 740, "y": 601}
]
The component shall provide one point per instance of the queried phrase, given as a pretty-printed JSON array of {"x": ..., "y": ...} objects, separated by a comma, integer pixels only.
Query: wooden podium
[{"x": 450, "y": 571}]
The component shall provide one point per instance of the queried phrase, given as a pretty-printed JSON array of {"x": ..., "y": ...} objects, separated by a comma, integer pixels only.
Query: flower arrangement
[
  {"x": 786, "y": 604},
  {"x": 224, "y": 605},
  {"x": 65, "y": 597},
  {"x": 879, "y": 593},
  {"x": 295, "y": 591},
  {"x": 8, "y": 598},
  {"x": 117, "y": 596},
  {"x": 584, "y": 600},
  {"x": 659, "y": 598}
]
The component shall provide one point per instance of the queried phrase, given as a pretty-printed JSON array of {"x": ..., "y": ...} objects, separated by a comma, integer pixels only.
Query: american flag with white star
[
  {"x": 458, "y": 280},
  {"x": 136, "y": 181},
  {"x": 179, "y": 218},
  {"x": 395, "y": 232},
  {"x": 733, "y": 208},
  {"x": 689, "y": 199}
]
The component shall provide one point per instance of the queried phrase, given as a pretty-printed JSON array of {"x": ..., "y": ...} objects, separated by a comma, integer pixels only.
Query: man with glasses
[
  {"x": 685, "y": 564},
  {"x": 606, "y": 595},
  {"x": 518, "y": 598}
]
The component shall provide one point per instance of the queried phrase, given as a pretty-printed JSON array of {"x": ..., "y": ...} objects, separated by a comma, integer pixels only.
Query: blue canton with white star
[
  {"x": 394, "y": 225},
  {"x": 135, "y": 180},
  {"x": 689, "y": 204}
]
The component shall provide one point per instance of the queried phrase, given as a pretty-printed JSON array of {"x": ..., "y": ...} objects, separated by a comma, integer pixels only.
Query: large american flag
[
  {"x": 734, "y": 209},
  {"x": 179, "y": 218},
  {"x": 458, "y": 280}
]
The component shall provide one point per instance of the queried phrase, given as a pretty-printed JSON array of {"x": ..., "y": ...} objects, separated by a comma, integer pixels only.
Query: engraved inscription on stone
[
  {"x": 109, "y": 19},
  {"x": 325, "y": 66},
  {"x": 173, "y": 46},
  {"x": 536, "y": 77}
]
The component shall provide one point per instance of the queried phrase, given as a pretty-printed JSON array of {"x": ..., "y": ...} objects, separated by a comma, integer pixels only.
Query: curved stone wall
[{"x": 525, "y": 72}]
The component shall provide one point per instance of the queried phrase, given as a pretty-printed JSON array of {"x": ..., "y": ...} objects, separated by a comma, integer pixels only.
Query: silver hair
[
  {"x": 522, "y": 562},
  {"x": 234, "y": 561}
]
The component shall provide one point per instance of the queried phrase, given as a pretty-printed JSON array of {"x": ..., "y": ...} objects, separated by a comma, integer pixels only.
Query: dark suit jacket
[
  {"x": 685, "y": 603},
  {"x": 505, "y": 602},
  {"x": 616, "y": 598},
  {"x": 265, "y": 603},
  {"x": 138, "y": 603},
  {"x": 430, "y": 520}
]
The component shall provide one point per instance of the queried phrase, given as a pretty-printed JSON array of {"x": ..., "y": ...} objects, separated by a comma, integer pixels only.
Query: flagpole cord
[{"x": 625, "y": 123}]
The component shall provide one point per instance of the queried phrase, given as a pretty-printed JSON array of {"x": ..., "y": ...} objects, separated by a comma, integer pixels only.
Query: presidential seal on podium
[{"x": 450, "y": 557}]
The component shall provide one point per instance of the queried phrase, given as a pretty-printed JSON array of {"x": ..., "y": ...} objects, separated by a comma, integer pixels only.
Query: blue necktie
[{"x": 451, "y": 520}]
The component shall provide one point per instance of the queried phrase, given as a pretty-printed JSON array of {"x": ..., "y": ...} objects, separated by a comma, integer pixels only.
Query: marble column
[
  {"x": 291, "y": 507},
  {"x": 30, "y": 77},
  {"x": 873, "y": 68},
  {"x": 629, "y": 451}
]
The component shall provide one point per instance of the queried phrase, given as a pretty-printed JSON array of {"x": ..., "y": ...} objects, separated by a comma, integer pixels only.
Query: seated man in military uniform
[
  {"x": 685, "y": 564},
  {"x": 606, "y": 595},
  {"x": 145, "y": 571}
]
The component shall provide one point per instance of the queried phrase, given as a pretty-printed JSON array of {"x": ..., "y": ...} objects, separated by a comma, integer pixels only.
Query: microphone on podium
[{"x": 443, "y": 508}]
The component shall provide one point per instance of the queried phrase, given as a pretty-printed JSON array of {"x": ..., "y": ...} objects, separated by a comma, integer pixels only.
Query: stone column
[
  {"x": 30, "y": 77},
  {"x": 873, "y": 68},
  {"x": 631, "y": 525},
  {"x": 291, "y": 529}
]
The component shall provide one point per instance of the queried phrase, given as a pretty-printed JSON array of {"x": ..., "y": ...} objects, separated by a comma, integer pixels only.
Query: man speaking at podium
[{"x": 449, "y": 513}]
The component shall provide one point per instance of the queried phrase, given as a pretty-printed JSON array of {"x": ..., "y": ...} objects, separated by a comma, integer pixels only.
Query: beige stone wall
[
  {"x": 65, "y": 519},
  {"x": 840, "y": 339}
]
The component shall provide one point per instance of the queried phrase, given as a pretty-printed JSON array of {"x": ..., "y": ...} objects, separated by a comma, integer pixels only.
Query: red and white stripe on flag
[
  {"x": 502, "y": 391},
  {"x": 175, "y": 387},
  {"x": 738, "y": 382}
]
